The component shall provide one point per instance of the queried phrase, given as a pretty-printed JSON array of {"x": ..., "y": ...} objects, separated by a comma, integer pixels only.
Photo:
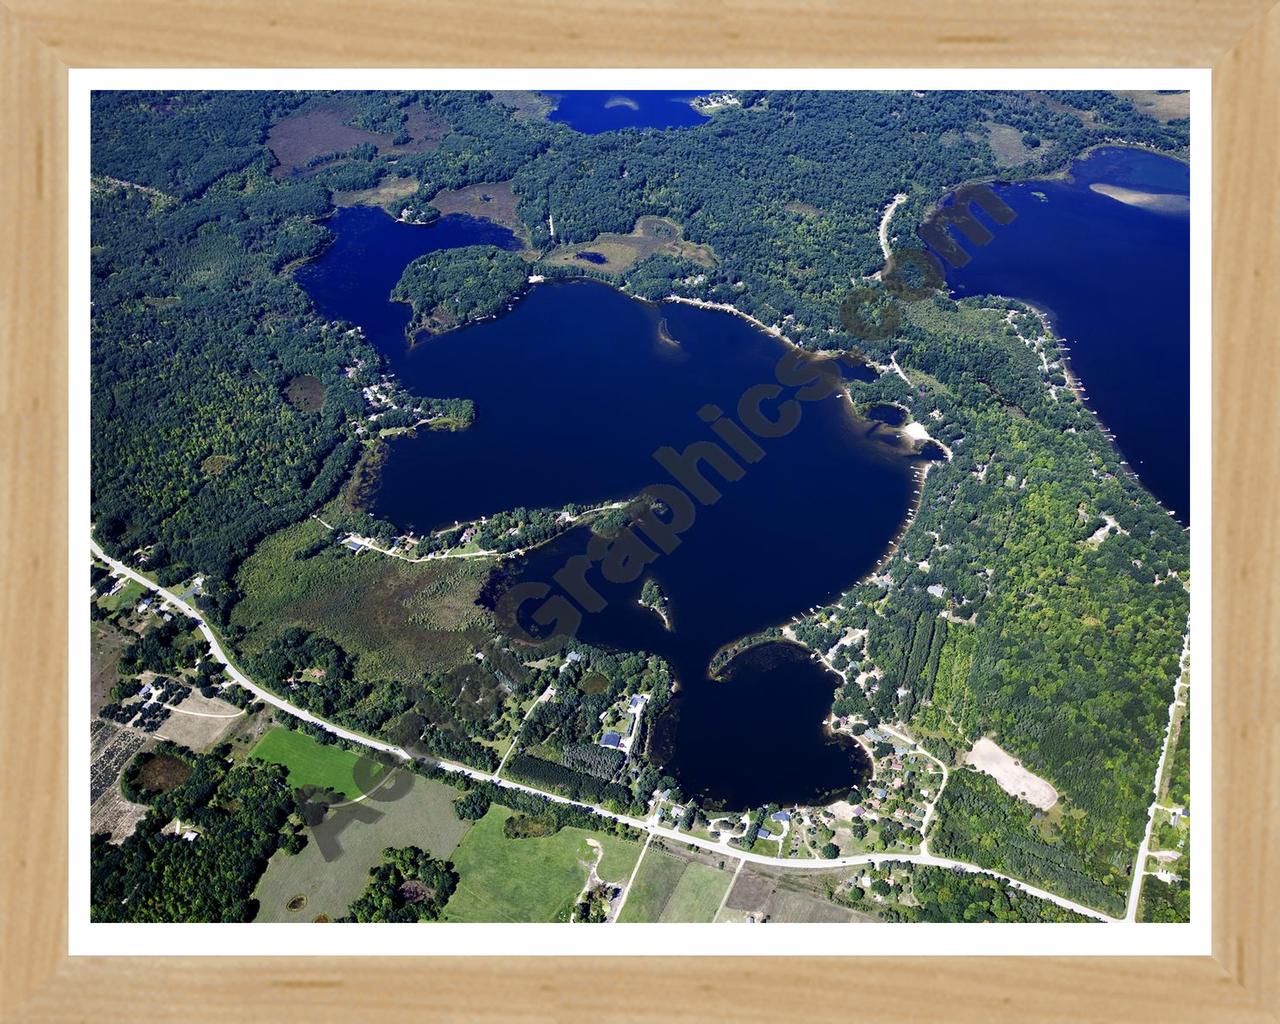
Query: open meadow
[
  {"x": 306, "y": 886},
  {"x": 492, "y": 200},
  {"x": 394, "y": 617},
  {"x": 615, "y": 253},
  {"x": 310, "y": 763},
  {"x": 533, "y": 879}
]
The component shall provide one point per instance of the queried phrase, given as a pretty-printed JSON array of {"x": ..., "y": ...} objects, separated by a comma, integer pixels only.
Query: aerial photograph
[{"x": 710, "y": 506}]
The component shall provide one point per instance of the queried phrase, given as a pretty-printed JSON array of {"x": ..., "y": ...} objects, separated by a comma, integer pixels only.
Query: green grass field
[
  {"x": 698, "y": 894},
  {"x": 503, "y": 879},
  {"x": 423, "y": 817},
  {"x": 125, "y": 597},
  {"x": 656, "y": 880},
  {"x": 309, "y": 763},
  {"x": 768, "y": 847},
  {"x": 672, "y": 888}
]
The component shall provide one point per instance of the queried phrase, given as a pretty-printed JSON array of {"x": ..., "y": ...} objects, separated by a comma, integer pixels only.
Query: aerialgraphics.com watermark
[
  {"x": 623, "y": 558},
  {"x": 929, "y": 275},
  {"x": 765, "y": 412}
]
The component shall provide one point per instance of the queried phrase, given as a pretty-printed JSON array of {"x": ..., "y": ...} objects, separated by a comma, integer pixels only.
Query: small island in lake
[
  {"x": 652, "y": 597},
  {"x": 702, "y": 562}
]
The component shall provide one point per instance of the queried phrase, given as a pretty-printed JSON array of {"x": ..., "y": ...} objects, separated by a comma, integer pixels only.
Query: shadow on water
[
  {"x": 886, "y": 412},
  {"x": 576, "y": 389}
]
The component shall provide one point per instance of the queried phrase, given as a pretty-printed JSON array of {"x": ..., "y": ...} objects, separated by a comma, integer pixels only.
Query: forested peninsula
[
  {"x": 450, "y": 288},
  {"x": 226, "y": 412}
]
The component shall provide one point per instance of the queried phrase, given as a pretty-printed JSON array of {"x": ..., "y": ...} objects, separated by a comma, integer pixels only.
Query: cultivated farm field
[{"x": 673, "y": 887}]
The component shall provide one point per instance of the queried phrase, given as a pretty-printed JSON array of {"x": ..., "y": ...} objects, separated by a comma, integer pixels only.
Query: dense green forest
[
  {"x": 456, "y": 286},
  {"x": 198, "y": 329},
  {"x": 980, "y": 823},
  {"x": 789, "y": 188},
  {"x": 239, "y": 816},
  {"x": 999, "y": 613},
  {"x": 1165, "y": 902},
  {"x": 919, "y": 892},
  {"x": 225, "y": 411}
]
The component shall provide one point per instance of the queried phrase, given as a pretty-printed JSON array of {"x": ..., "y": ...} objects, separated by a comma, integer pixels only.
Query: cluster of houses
[
  {"x": 156, "y": 605},
  {"x": 735, "y": 827},
  {"x": 715, "y": 101},
  {"x": 1167, "y": 859},
  {"x": 898, "y": 794},
  {"x": 781, "y": 820},
  {"x": 635, "y": 708},
  {"x": 381, "y": 397},
  {"x": 905, "y": 784}
]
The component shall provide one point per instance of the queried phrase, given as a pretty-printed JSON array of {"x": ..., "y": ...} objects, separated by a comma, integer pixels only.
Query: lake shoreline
[
  {"x": 918, "y": 469},
  {"x": 1062, "y": 173},
  {"x": 1076, "y": 381},
  {"x": 1076, "y": 386},
  {"x": 727, "y": 360}
]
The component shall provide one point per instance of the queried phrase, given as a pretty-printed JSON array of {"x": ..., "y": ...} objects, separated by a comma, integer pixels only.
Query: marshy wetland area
[{"x": 542, "y": 539}]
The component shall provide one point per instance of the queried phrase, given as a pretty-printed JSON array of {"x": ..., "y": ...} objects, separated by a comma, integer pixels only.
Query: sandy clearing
[
  {"x": 199, "y": 722},
  {"x": 842, "y": 810},
  {"x": 898, "y": 200},
  {"x": 1015, "y": 780}
]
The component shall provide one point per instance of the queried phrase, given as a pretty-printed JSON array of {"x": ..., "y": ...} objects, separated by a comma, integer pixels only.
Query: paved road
[{"x": 267, "y": 697}]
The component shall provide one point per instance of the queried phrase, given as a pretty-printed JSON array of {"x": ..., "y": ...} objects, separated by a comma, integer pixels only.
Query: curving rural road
[{"x": 871, "y": 859}]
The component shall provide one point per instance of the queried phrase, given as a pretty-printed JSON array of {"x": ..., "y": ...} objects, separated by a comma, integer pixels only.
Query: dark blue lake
[
  {"x": 1115, "y": 279},
  {"x": 594, "y": 112},
  {"x": 366, "y": 258},
  {"x": 575, "y": 389}
]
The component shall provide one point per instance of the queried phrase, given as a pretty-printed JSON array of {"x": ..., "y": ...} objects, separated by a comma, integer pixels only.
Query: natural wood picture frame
[{"x": 42, "y": 39}]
